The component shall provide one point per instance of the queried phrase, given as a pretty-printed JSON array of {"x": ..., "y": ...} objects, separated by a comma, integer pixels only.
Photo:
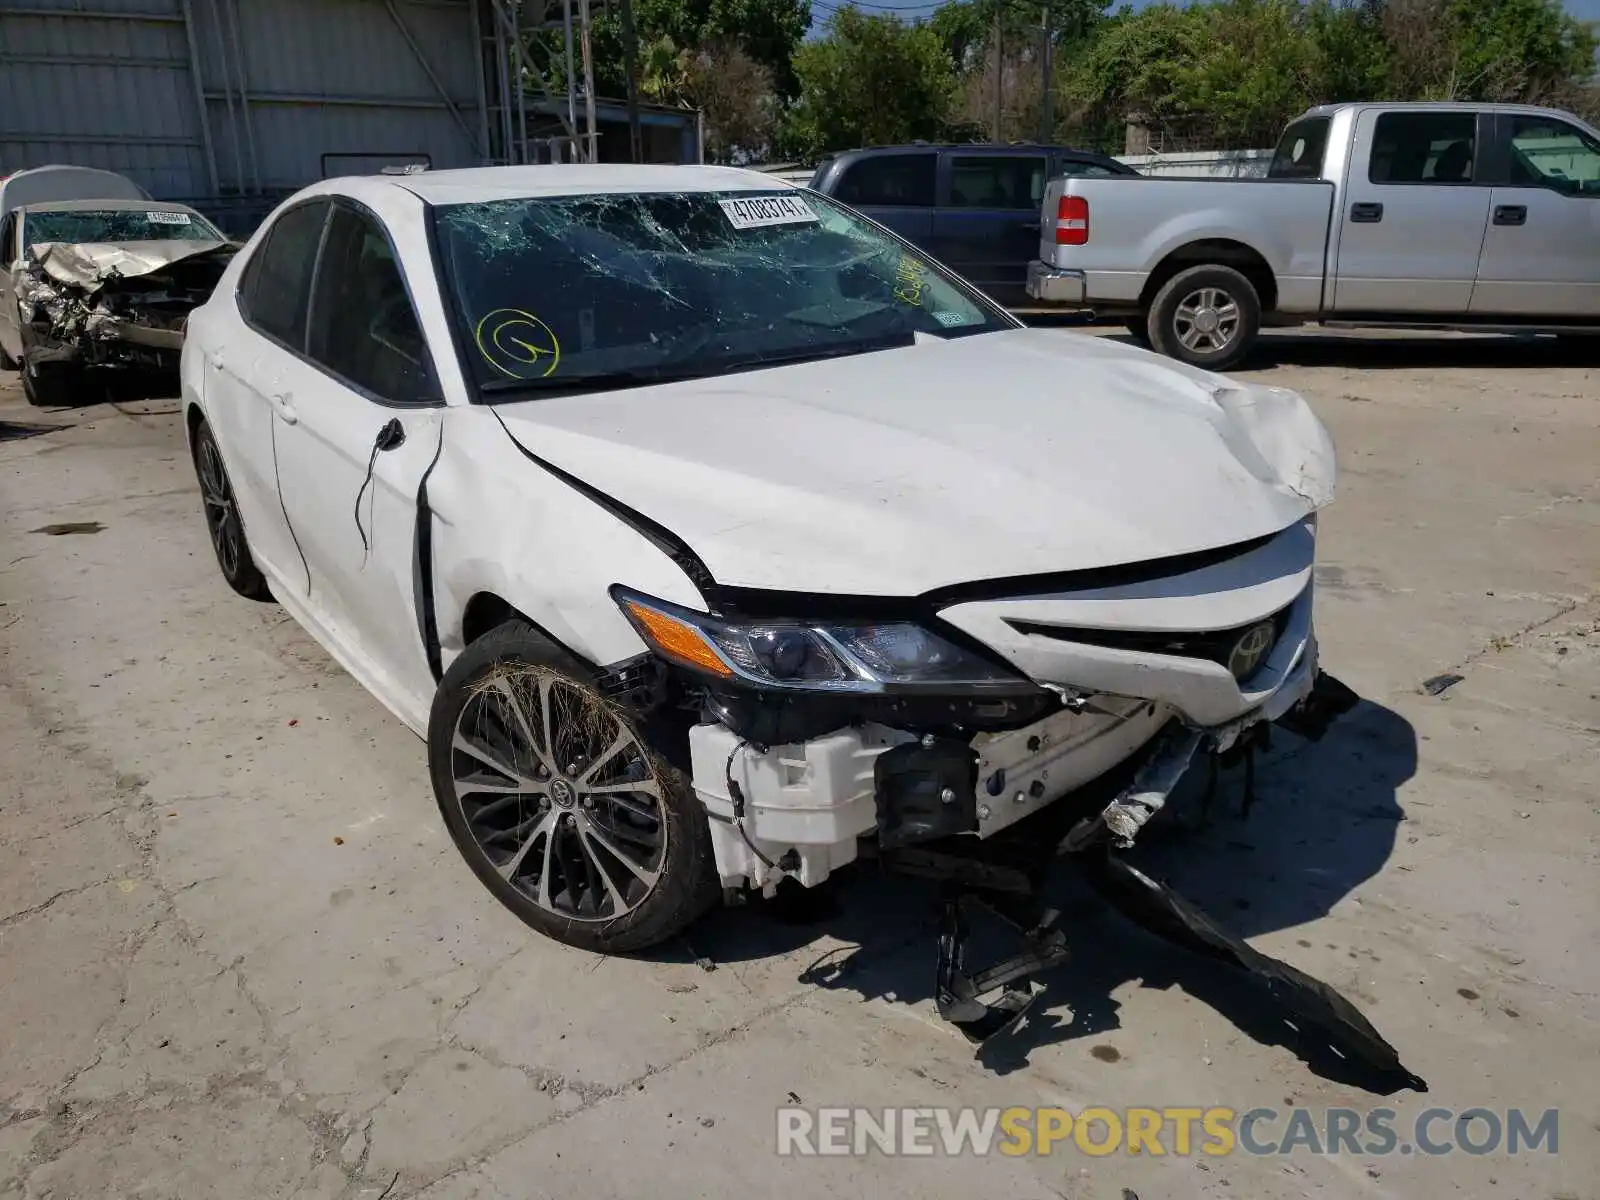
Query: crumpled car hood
[
  {"x": 903, "y": 471},
  {"x": 87, "y": 264}
]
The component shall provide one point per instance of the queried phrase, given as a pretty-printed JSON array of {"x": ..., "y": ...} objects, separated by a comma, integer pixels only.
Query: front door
[
  {"x": 1414, "y": 213},
  {"x": 358, "y": 427},
  {"x": 988, "y": 227},
  {"x": 1541, "y": 254}
]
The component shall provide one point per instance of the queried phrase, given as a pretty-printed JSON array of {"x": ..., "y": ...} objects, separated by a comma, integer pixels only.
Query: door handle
[
  {"x": 281, "y": 402},
  {"x": 1366, "y": 213},
  {"x": 1510, "y": 214}
]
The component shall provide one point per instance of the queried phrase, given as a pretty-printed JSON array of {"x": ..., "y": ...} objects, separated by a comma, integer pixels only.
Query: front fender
[{"x": 504, "y": 525}]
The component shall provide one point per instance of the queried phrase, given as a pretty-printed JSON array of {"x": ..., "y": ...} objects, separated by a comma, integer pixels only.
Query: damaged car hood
[
  {"x": 901, "y": 471},
  {"x": 88, "y": 264}
]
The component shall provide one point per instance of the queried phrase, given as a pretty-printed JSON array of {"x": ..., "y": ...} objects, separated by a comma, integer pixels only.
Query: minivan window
[
  {"x": 1552, "y": 154},
  {"x": 996, "y": 181},
  {"x": 888, "y": 181},
  {"x": 1423, "y": 147},
  {"x": 1301, "y": 150},
  {"x": 277, "y": 282},
  {"x": 364, "y": 328}
]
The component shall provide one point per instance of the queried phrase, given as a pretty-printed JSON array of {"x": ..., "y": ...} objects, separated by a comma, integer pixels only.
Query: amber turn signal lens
[{"x": 680, "y": 642}]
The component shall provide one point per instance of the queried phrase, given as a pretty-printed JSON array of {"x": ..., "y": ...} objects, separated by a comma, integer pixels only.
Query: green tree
[{"x": 871, "y": 80}]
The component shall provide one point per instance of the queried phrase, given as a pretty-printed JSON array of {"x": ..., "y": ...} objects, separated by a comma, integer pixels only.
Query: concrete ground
[{"x": 240, "y": 958}]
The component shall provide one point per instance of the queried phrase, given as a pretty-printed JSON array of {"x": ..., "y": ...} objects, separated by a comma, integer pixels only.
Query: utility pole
[
  {"x": 999, "y": 72},
  {"x": 1047, "y": 133},
  {"x": 588, "y": 79},
  {"x": 630, "y": 53},
  {"x": 572, "y": 79}
]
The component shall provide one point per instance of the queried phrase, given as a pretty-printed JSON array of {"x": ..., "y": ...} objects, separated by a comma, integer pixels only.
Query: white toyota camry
[{"x": 713, "y": 536}]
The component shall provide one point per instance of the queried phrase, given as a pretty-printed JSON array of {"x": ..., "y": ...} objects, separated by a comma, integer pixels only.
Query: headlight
[{"x": 895, "y": 656}]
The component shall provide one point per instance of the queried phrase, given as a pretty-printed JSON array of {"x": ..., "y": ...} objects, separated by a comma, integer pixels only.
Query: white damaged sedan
[{"x": 712, "y": 535}]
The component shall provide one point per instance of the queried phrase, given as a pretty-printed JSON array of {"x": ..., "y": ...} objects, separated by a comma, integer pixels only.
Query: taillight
[{"x": 1072, "y": 221}]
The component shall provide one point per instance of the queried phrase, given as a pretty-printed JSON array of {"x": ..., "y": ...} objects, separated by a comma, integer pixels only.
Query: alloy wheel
[
  {"x": 1207, "y": 320},
  {"x": 222, "y": 516},
  {"x": 558, "y": 794}
]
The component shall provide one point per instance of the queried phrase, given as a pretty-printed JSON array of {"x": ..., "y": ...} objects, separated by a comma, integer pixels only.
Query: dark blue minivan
[{"x": 975, "y": 208}]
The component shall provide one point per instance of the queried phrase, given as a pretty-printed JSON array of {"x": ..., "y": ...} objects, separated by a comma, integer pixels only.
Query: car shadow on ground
[{"x": 1325, "y": 820}]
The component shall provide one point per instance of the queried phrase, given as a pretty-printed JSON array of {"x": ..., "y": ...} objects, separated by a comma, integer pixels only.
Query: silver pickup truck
[{"x": 1438, "y": 215}]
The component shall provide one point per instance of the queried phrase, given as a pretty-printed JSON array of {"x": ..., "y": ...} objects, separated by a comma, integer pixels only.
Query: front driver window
[
  {"x": 363, "y": 327},
  {"x": 1552, "y": 154}
]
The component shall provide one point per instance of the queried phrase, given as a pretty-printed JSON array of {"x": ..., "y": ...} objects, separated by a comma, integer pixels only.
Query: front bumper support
[{"x": 1013, "y": 890}]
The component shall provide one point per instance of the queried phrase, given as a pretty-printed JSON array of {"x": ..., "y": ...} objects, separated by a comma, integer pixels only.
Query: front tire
[
  {"x": 1206, "y": 316},
  {"x": 222, "y": 519},
  {"x": 50, "y": 385},
  {"x": 557, "y": 802}
]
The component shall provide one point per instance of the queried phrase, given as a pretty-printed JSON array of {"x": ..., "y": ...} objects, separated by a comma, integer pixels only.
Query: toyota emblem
[{"x": 1250, "y": 651}]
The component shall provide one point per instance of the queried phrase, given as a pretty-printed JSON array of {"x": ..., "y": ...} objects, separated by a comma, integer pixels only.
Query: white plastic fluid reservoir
[{"x": 813, "y": 794}]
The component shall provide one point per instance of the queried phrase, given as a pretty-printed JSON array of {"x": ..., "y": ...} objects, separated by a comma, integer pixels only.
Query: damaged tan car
[{"x": 101, "y": 283}]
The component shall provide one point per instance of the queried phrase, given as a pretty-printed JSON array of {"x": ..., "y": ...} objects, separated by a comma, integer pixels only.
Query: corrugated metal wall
[{"x": 285, "y": 87}]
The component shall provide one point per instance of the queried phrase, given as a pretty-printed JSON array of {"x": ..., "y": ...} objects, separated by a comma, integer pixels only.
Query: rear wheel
[
  {"x": 1139, "y": 329},
  {"x": 1206, "y": 316},
  {"x": 557, "y": 802},
  {"x": 222, "y": 519}
]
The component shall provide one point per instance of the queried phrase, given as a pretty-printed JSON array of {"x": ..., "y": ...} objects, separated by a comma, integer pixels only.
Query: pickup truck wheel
[
  {"x": 1206, "y": 316},
  {"x": 1139, "y": 328}
]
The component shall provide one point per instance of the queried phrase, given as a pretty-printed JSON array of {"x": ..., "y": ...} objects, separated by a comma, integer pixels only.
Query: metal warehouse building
[{"x": 232, "y": 104}]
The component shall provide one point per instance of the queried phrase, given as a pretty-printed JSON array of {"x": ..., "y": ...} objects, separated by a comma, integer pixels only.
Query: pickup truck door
[
  {"x": 896, "y": 190},
  {"x": 1541, "y": 254},
  {"x": 987, "y": 227},
  {"x": 1414, "y": 213}
]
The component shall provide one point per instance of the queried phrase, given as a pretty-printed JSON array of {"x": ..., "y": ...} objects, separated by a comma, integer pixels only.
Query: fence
[{"x": 1208, "y": 164}]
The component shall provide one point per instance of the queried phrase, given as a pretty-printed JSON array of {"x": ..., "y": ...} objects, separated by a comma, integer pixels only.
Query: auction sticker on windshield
[
  {"x": 759, "y": 211},
  {"x": 167, "y": 218}
]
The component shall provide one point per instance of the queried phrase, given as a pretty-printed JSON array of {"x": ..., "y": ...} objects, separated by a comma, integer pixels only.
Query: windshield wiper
[{"x": 598, "y": 381}]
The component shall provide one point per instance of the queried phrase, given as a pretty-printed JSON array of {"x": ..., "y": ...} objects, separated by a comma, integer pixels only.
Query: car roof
[
  {"x": 475, "y": 185},
  {"x": 107, "y": 206}
]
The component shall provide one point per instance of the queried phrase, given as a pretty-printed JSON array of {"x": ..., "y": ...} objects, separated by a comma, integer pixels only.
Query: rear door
[
  {"x": 244, "y": 377},
  {"x": 1541, "y": 254},
  {"x": 895, "y": 189},
  {"x": 987, "y": 226},
  {"x": 1416, "y": 205}
]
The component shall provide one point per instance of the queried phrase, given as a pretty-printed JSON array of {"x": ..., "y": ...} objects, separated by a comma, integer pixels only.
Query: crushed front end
[
  {"x": 977, "y": 736},
  {"x": 114, "y": 304}
]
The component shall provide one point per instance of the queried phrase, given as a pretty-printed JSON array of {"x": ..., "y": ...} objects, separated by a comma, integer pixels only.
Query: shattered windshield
[
  {"x": 117, "y": 225},
  {"x": 557, "y": 293}
]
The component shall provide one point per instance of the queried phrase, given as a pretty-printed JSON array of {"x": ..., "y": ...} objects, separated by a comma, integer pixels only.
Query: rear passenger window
[
  {"x": 364, "y": 328},
  {"x": 993, "y": 181},
  {"x": 277, "y": 282},
  {"x": 1412, "y": 147},
  {"x": 889, "y": 181}
]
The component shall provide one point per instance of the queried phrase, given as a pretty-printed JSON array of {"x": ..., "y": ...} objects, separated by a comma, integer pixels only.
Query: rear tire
[
  {"x": 1139, "y": 330},
  {"x": 575, "y": 823},
  {"x": 222, "y": 519},
  {"x": 1207, "y": 316}
]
